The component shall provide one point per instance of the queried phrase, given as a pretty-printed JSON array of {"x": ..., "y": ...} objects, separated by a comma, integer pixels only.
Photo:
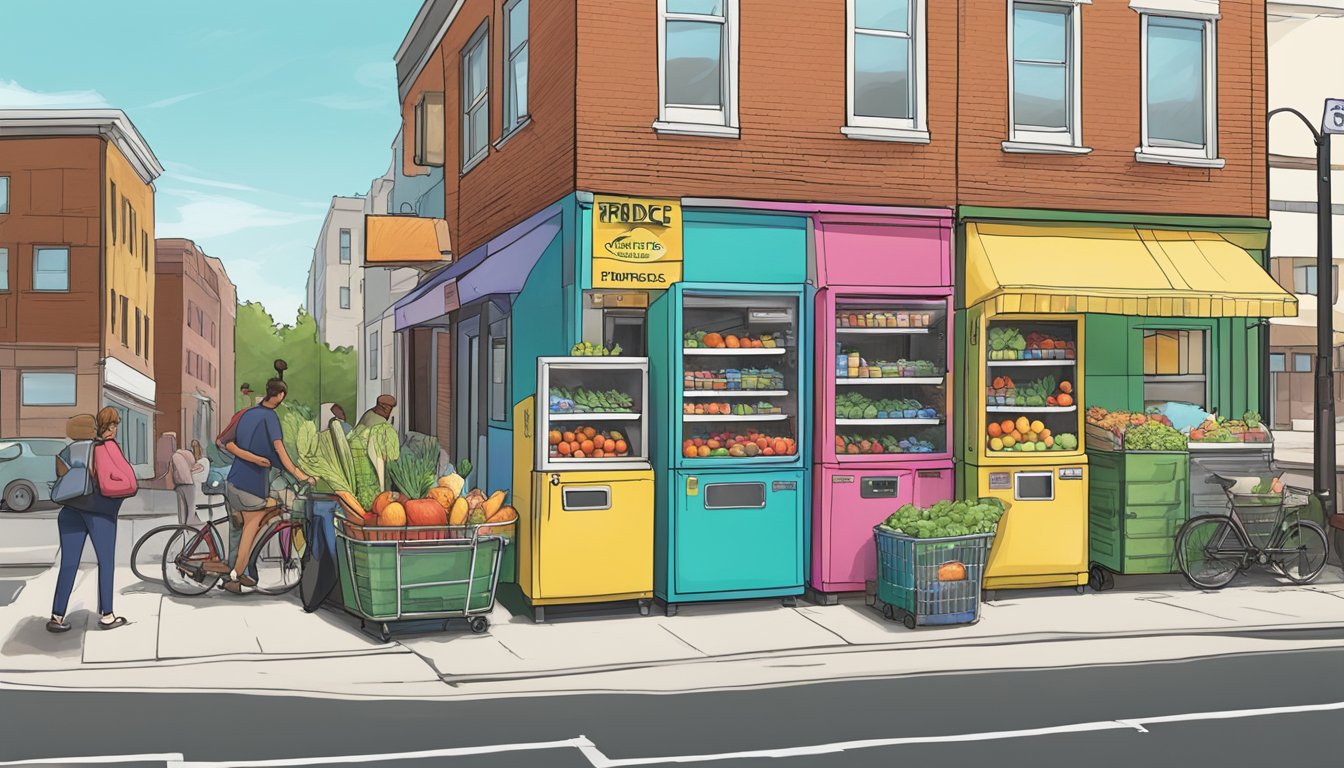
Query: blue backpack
[{"x": 74, "y": 474}]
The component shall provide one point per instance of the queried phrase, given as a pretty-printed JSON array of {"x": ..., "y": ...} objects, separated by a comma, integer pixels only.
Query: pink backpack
[{"x": 116, "y": 479}]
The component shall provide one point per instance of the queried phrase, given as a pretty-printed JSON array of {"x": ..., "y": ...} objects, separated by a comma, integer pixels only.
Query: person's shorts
[{"x": 238, "y": 500}]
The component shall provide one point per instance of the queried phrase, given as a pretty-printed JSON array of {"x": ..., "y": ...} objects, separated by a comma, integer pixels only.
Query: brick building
[
  {"x": 77, "y": 286},
  {"x": 197, "y": 306}
]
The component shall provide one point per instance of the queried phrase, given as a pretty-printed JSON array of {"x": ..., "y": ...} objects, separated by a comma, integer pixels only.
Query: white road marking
[
  {"x": 598, "y": 759},
  {"x": 170, "y": 759}
]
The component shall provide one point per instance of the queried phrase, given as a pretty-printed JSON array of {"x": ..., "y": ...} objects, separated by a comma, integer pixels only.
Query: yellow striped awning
[{"x": 1015, "y": 268}]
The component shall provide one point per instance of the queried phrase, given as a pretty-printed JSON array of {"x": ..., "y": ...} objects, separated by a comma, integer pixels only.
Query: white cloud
[
  {"x": 204, "y": 182},
  {"x": 256, "y": 281},
  {"x": 15, "y": 96},
  {"x": 171, "y": 100},
  {"x": 205, "y": 216}
]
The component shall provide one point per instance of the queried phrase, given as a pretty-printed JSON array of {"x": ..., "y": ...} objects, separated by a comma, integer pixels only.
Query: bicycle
[
  {"x": 1259, "y": 529},
  {"x": 156, "y": 540}
]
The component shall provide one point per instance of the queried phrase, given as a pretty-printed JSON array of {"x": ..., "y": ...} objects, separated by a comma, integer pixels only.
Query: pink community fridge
[{"x": 883, "y": 334}]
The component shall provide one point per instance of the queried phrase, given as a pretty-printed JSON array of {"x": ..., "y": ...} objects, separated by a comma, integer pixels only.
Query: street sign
[{"x": 1334, "y": 116}]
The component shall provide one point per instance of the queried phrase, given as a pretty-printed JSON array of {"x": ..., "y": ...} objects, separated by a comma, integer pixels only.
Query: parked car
[{"x": 27, "y": 471}]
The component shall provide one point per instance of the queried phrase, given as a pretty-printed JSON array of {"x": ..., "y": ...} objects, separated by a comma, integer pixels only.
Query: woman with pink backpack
[{"x": 93, "y": 515}]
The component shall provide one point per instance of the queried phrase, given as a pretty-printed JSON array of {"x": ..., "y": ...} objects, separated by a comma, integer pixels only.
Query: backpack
[
  {"x": 74, "y": 472},
  {"x": 230, "y": 433},
  {"x": 116, "y": 479}
]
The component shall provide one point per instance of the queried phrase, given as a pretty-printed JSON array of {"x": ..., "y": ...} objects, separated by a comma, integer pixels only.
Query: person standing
[
  {"x": 258, "y": 445},
  {"x": 183, "y": 467},
  {"x": 94, "y": 517},
  {"x": 380, "y": 413}
]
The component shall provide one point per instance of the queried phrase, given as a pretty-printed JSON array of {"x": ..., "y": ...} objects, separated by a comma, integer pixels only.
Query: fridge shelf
[
  {"x": 879, "y": 422},
  {"x": 735, "y": 393},
  {"x": 1029, "y": 363},
  {"x": 734, "y": 352},
  {"x": 595, "y": 416},
  {"x": 891, "y": 380},
  {"x": 1031, "y": 408},
  {"x": 731, "y": 417},
  {"x": 881, "y": 331}
]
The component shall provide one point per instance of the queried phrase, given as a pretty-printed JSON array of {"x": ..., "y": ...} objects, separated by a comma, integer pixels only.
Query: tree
[{"x": 317, "y": 373}]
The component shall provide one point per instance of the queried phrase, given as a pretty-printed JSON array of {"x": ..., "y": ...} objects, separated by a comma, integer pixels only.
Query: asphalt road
[{"x": 231, "y": 728}]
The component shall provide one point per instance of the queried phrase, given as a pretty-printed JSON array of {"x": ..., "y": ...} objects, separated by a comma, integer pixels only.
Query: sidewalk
[
  {"x": 31, "y": 538},
  {"x": 259, "y": 644}
]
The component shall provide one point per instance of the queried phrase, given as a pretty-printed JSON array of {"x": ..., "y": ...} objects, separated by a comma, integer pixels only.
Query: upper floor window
[
  {"x": 1304, "y": 280},
  {"x": 476, "y": 98},
  {"x": 429, "y": 125},
  {"x": 138, "y": 319},
  {"x": 51, "y": 269},
  {"x": 125, "y": 313},
  {"x": 48, "y": 388},
  {"x": 4, "y": 269},
  {"x": 4, "y": 194},
  {"x": 515, "y": 64},
  {"x": 112, "y": 208},
  {"x": 372, "y": 362},
  {"x": 345, "y": 246},
  {"x": 345, "y": 297},
  {"x": 697, "y": 66},
  {"x": 1179, "y": 124},
  {"x": 1045, "y": 103},
  {"x": 147, "y": 337},
  {"x": 886, "y": 64}
]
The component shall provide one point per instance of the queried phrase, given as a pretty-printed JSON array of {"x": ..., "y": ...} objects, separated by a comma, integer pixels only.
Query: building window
[
  {"x": 147, "y": 338},
  {"x": 1304, "y": 280},
  {"x": 144, "y": 250},
  {"x": 515, "y": 64},
  {"x": 345, "y": 246},
  {"x": 476, "y": 99},
  {"x": 48, "y": 388},
  {"x": 51, "y": 269},
  {"x": 137, "y": 332},
  {"x": 1278, "y": 362},
  {"x": 112, "y": 208},
  {"x": 1044, "y": 49},
  {"x": 125, "y": 313},
  {"x": 4, "y": 194},
  {"x": 4, "y": 269},
  {"x": 1174, "y": 367},
  {"x": 429, "y": 127},
  {"x": 499, "y": 370},
  {"x": 1301, "y": 362},
  {"x": 345, "y": 297},
  {"x": 886, "y": 82},
  {"x": 112, "y": 313},
  {"x": 697, "y": 66},
  {"x": 1179, "y": 120},
  {"x": 372, "y": 359}
]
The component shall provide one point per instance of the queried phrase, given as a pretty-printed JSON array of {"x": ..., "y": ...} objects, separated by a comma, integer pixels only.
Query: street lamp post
[{"x": 1324, "y": 427}]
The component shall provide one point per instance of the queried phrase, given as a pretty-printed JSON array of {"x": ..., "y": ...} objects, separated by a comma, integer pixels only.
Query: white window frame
[
  {"x": 513, "y": 122},
  {"x": 479, "y": 40},
  {"x": 1206, "y": 12},
  {"x": 701, "y": 121},
  {"x": 914, "y": 130},
  {"x": 4, "y": 199},
  {"x": 345, "y": 244},
  {"x": 4, "y": 270},
  {"x": 39, "y": 248},
  {"x": 1068, "y": 142},
  {"x": 343, "y": 297}
]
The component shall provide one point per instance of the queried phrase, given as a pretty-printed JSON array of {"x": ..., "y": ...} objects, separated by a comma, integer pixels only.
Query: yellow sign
[{"x": 636, "y": 243}]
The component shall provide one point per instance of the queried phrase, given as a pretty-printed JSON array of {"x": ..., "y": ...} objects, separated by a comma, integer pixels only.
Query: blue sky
[{"x": 259, "y": 111}]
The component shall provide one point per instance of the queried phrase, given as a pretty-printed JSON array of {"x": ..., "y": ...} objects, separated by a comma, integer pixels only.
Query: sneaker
[
  {"x": 58, "y": 626},
  {"x": 236, "y": 587}
]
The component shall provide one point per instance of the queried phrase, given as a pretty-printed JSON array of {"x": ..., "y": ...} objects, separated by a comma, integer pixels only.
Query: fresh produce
[
  {"x": 900, "y": 319},
  {"x": 729, "y": 409},
  {"x": 1005, "y": 343},
  {"x": 1040, "y": 393},
  {"x": 588, "y": 443},
  {"x": 853, "y": 405},
  {"x": 952, "y": 571},
  {"x": 733, "y": 379},
  {"x": 584, "y": 401},
  {"x": 703, "y": 340},
  {"x": 1252, "y": 419},
  {"x": 417, "y": 464},
  {"x": 1024, "y": 434},
  {"x": 1010, "y": 344},
  {"x": 853, "y": 445},
  {"x": 947, "y": 518},
  {"x": 1154, "y": 436},
  {"x": 851, "y": 365},
  {"x": 589, "y": 349},
  {"x": 720, "y": 445}
]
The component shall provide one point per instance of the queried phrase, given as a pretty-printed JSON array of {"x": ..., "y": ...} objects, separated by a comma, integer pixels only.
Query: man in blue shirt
[{"x": 258, "y": 445}]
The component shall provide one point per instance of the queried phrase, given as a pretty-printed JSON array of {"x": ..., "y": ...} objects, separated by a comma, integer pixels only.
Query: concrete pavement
[{"x": 31, "y": 538}]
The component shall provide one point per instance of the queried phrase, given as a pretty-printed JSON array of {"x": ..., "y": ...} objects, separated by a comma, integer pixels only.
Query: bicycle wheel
[
  {"x": 1210, "y": 551},
  {"x": 186, "y": 558},
  {"x": 147, "y": 554},
  {"x": 1301, "y": 554},
  {"x": 277, "y": 560}
]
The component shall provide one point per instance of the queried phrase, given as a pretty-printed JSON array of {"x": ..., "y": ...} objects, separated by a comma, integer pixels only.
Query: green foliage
[
  {"x": 1154, "y": 436},
  {"x": 317, "y": 373},
  {"x": 947, "y": 518},
  {"x": 415, "y": 470}
]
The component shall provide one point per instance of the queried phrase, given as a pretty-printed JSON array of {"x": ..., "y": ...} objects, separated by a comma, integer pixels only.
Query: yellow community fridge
[
  {"x": 1020, "y": 431},
  {"x": 583, "y": 484}
]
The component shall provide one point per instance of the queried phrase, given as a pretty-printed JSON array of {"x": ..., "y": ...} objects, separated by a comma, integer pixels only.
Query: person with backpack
[{"x": 93, "y": 516}]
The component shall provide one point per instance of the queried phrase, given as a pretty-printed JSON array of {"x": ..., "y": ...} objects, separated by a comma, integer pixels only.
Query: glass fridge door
[
  {"x": 740, "y": 377},
  {"x": 890, "y": 365},
  {"x": 591, "y": 413},
  {"x": 1031, "y": 397}
]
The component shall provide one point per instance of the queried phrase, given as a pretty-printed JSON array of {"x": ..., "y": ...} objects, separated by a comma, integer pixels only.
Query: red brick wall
[
  {"x": 1109, "y": 179},
  {"x": 791, "y": 109}
]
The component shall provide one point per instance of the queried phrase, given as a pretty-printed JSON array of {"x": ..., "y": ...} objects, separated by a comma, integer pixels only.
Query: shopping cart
[
  {"x": 410, "y": 573},
  {"x": 910, "y": 586}
]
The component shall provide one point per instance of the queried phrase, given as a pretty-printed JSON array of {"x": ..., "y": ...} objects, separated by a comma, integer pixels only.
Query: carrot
[{"x": 350, "y": 506}]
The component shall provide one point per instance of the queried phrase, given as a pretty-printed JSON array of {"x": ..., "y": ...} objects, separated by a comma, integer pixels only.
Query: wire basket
[{"x": 908, "y": 576}]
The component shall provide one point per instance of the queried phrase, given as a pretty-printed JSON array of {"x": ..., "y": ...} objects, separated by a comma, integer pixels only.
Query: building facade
[
  {"x": 335, "y": 287},
  {"x": 77, "y": 295},
  {"x": 380, "y": 348},
  {"x": 197, "y": 306},
  {"x": 1297, "y": 34}
]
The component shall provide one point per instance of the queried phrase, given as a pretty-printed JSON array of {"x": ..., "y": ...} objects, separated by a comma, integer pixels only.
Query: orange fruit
[
  {"x": 586, "y": 446},
  {"x": 995, "y": 430},
  {"x": 599, "y": 453},
  {"x": 564, "y": 449},
  {"x": 1007, "y": 426},
  {"x": 609, "y": 446},
  {"x": 621, "y": 446},
  {"x": 690, "y": 452},
  {"x": 703, "y": 451},
  {"x": 579, "y": 455},
  {"x": 569, "y": 437},
  {"x": 554, "y": 437},
  {"x": 590, "y": 432}
]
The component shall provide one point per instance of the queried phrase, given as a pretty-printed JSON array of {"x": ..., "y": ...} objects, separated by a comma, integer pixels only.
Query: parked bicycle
[
  {"x": 1262, "y": 529},
  {"x": 194, "y": 559}
]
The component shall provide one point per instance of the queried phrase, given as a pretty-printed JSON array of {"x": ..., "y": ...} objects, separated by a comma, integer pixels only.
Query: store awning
[
  {"x": 1116, "y": 270},
  {"x": 406, "y": 241}
]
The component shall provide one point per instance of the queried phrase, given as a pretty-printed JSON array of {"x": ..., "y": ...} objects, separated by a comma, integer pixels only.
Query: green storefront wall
[{"x": 1237, "y": 347}]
